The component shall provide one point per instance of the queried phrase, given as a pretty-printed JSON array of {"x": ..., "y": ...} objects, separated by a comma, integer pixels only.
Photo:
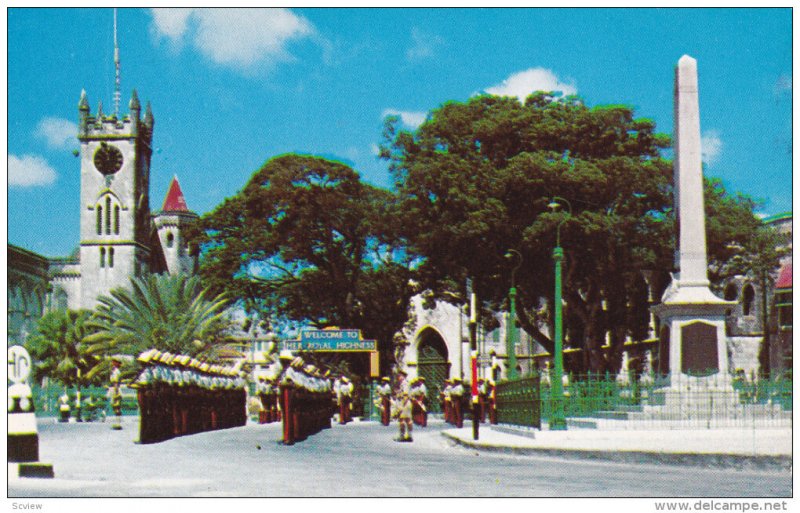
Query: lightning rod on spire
[{"x": 117, "y": 93}]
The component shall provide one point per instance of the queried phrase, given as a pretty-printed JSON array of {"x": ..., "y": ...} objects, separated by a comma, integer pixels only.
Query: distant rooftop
[
  {"x": 785, "y": 277},
  {"x": 777, "y": 217}
]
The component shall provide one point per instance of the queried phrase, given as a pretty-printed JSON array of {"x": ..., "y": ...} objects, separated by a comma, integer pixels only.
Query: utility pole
[{"x": 473, "y": 345}]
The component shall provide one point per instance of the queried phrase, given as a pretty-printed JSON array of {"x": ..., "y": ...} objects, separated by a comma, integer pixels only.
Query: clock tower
[{"x": 115, "y": 153}]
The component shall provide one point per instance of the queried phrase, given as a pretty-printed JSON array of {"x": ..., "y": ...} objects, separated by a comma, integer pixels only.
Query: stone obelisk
[{"x": 692, "y": 327}]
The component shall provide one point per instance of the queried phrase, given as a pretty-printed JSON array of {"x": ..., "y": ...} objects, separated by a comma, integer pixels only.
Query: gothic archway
[{"x": 432, "y": 364}]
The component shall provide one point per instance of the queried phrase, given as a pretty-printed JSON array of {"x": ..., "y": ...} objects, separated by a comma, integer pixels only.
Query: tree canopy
[
  {"x": 477, "y": 177},
  {"x": 59, "y": 349},
  {"x": 307, "y": 242}
]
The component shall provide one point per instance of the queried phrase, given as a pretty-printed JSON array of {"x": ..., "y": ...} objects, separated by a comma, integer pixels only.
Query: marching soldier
[
  {"x": 144, "y": 395},
  {"x": 483, "y": 398},
  {"x": 116, "y": 395},
  {"x": 447, "y": 402},
  {"x": 345, "y": 398},
  {"x": 456, "y": 398},
  {"x": 63, "y": 408},
  {"x": 404, "y": 406},
  {"x": 421, "y": 398},
  {"x": 492, "y": 402},
  {"x": 384, "y": 391}
]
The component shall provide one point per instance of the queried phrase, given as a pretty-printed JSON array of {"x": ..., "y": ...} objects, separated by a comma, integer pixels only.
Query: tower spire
[{"x": 117, "y": 93}]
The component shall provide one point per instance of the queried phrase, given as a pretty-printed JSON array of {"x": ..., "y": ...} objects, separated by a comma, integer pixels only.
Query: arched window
[
  {"x": 748, "y": 295},
  {"x": 116, "y": 219},
  {"x": 111, "y": 257},
  {"x": 99, "y": 220},
  {"x": 108, "y": 215},
  {"x": 102, "y": 257},
  {"x": 170, "y": 239},
  {"x": 731, "y": 292}
]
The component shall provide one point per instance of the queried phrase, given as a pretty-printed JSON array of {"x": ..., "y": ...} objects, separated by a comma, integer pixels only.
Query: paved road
[{"x": 357, "y": 460}]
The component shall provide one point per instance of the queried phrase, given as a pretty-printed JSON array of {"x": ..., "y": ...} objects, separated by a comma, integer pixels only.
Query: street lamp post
[
  {"x": 511, "y": 328},
  {"x": 557, "y": 420}
]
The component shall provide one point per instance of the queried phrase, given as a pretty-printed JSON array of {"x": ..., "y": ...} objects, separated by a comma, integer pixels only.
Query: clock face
[{"x": 108, "y": 159}]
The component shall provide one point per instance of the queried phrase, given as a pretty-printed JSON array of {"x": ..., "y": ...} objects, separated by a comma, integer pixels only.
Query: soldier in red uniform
[{"x": 384, "y": 391}]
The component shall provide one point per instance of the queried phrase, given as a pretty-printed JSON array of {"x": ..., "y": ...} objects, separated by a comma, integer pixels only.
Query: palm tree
[
  {"x": 59, "y": 349},
  {"x": 168, "y": 313}
]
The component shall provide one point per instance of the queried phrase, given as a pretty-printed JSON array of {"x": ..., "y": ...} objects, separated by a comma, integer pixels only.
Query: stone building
[
  {"x": 120, "y": 237},
  {"x": 745, "y": 322}
]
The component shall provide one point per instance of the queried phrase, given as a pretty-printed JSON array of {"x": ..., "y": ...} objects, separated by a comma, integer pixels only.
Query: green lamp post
[
  {"x": 557, "y": 420},
  {"x": 511, "y": 327}
]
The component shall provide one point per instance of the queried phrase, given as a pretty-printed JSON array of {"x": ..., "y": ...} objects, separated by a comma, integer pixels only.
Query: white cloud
[
  {"x": 424, "y": 45},
  {"x": 783, "y": 84},
  {"x": 410, "y": 119},
  {"x": 59, "y": 133},
  {"x": 240, "y": 38},
  {"x": 711, "y": 145},
  {"x": 523, "y": 83},
  {"x": 171, "y": 23},
  {"x": 374, "y": 149},
  {"x": 29, "y": 171}
]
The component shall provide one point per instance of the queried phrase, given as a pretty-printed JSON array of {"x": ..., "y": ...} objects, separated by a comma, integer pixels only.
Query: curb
[{"x": 622, "y": 456}]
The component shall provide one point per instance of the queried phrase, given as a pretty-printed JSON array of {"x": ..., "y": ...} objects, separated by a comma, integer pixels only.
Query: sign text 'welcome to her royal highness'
[{"x": 332, "y": 340}]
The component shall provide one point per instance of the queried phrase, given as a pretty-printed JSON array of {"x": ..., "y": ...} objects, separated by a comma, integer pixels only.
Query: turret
[
  {"x": 148, "y": 118},
  {"x": 171, "y": 224},
  {"x": 99, "y": 113},
  {"x": 135, "y": 108},
  {"x": 83, "y": 113}
]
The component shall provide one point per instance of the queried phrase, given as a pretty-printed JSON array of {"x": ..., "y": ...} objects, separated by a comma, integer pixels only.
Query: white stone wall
[
  {"x": 126, "y": 189},
  {"x": 743, "y": 353},
  {"x": 452, "y": 326},
  {"x": 179, "y": 261},
  {"x": 66, "y": 285}
]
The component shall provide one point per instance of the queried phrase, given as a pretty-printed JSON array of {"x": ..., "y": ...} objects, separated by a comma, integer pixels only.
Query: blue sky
[{"x": 232, "y": 88}]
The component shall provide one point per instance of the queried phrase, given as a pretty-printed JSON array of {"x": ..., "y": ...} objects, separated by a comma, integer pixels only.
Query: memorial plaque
[{"x": 699, "y": 355}]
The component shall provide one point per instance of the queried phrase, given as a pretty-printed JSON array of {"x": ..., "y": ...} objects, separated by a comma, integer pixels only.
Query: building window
[
  {"x": 116, "y": 220},
  {"x": 748, "y": 295},
  {"x": 102, "y": 257},
  {"x": 99, "y": 220},
  {"x": 783, "y": 301},
  {"x": 170, "y": 239},
  {"x": 108, "y": 215},
  {"x": 111, "y": 257}
]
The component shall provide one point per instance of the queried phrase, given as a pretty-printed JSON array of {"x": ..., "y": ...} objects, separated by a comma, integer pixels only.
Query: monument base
[
  {"x": 23, "y": 447},
  {"x": 692, "y": 339},
  {"x": 36, "y": 470}
]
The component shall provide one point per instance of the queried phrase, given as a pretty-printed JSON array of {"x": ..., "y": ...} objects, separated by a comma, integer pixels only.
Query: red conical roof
[{"x": 175, "y": 202}]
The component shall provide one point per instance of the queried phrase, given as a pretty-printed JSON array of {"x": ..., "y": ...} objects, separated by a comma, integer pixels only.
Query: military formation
[
  {"x": 452, "y": 397},
  {"x": 180, "y": 395},
  {"x": 305, "y": 399}
]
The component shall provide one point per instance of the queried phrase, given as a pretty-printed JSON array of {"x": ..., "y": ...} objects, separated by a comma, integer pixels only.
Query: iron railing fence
[
  {"x": 607, "y": 402},
  {"x": 93, "y": 398},
  {"x": 518, "y": 402}
]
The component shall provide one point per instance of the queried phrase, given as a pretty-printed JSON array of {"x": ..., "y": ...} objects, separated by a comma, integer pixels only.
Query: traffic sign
[{"x": 19, "y": 364}]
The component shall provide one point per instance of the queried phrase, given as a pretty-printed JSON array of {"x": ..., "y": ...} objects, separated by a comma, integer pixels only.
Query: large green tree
[
  {"x": 307, "y": 242},
  {"x": 60, "y": 352},
  {"x": 166, "y": 312},
  {"x": 476, "y": 179}
]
